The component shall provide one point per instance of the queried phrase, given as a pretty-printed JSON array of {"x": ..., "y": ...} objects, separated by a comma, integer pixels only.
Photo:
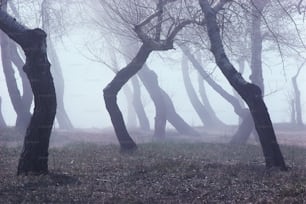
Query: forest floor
[{"x": 87, "y": 167}]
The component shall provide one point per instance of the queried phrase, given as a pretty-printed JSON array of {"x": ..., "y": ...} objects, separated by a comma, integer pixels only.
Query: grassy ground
[{"x": 170, "y": 172}]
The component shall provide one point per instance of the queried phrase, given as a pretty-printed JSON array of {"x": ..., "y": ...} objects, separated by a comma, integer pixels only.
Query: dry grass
[{"x": 169, "y": 172}]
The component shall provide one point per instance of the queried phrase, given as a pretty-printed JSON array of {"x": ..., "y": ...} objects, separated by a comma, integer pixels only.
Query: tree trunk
[
  {"x": 229, "y": 98},
  {"x": 200, "y": 109},
  {"x": 23, "y": 114},
  {"x": 297, "y": 100},
  {"x": 110, "y": 96},
  {"x": 2, "y": 121},
  {"x": 62, "y": 117},
  {"x": 34, "y": 156},
  {"x": 250, "y": 93},
  {"x": 138, "y": 106},
  {"x": 205, "y": 101},
  {"x": 27, "y": 95},
  {"x": 150, "y": 81},
  {"x": 175, "y": 119}
]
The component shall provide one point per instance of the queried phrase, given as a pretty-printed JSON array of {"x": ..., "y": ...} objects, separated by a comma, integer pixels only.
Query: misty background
[{"x": 85, "y": 76}]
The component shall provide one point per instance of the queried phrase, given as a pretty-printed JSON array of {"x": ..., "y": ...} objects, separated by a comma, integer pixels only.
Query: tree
[
  {"x": 250, "y": 93},
  {"x": 149, "y": 31},
  {"x": 47, "y": 19},
  {"x": 34, "y": 156},
  {"x": 21, "y": 102}
]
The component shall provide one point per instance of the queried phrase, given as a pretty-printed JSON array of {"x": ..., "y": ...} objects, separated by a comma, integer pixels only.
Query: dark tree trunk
[
  {"x": 2, "y": 121},
  {"x": 150, "y": 81},
  {"x": 250, "y": 93},
  {"x": 138, "y": 106},
  {"x": 110, "y": 96},
  {"x": 256, "y": 77},
  {"x": 200, "y": 109},
  {"x": 34, "y": 156},
  {"x": 23, "y": 114}
]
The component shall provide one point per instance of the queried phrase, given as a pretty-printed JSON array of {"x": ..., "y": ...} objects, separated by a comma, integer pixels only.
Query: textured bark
[
  {"x": 138, "y": 106},
  {"x": 200, "y": 109},
  {"x": 34, "y": 156},
  {"x": 250, "y": 93},
  {"x": 110, "y": 96},
  {"x": 2, "y": 121}
]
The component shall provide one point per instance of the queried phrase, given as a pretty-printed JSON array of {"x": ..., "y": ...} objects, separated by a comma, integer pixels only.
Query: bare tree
[
  {"x": 154, "y": 37},
  {"x": 34, "y": 156},
  {"x": 251, "y": 93}
]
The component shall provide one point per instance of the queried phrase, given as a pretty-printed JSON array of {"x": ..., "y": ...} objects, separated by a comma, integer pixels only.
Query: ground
[{"x": 87, "y": 167}]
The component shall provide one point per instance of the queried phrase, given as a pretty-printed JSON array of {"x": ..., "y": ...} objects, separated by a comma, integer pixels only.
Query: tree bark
[
  {"x": 34, "y": 156},
  {"x": 138, "y": 106},
  {"x": 110, "y": 96},
  {"x": 250, "y": 93}
]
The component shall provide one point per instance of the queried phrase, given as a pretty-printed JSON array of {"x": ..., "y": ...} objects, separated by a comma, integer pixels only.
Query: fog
[{"x": 86, "y": 78}]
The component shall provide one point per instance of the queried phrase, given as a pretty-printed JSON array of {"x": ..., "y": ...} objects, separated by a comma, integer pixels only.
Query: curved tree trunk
[
  {"x": 2, "y": 121},
  {"x": 138, "y": 106},
  {"x": 163, "y": 105},
  {"x": 256, "y": 77},
  {"x": 200, "y": 109},
  {"x": 27, "y": 95},
  {"x": 110, "y": 96},
  {"x": 175, "y": 119},
  {"x": 205, "y": 101},
  {"x": 250, "y": 93},
  {"x": 228, "y": 97},
  {"x": 62, "y": 117},
  {"x": 34, "y": 156},
  {"x": 23, "y": 114},
  {"x": 150, "y": 82}
]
